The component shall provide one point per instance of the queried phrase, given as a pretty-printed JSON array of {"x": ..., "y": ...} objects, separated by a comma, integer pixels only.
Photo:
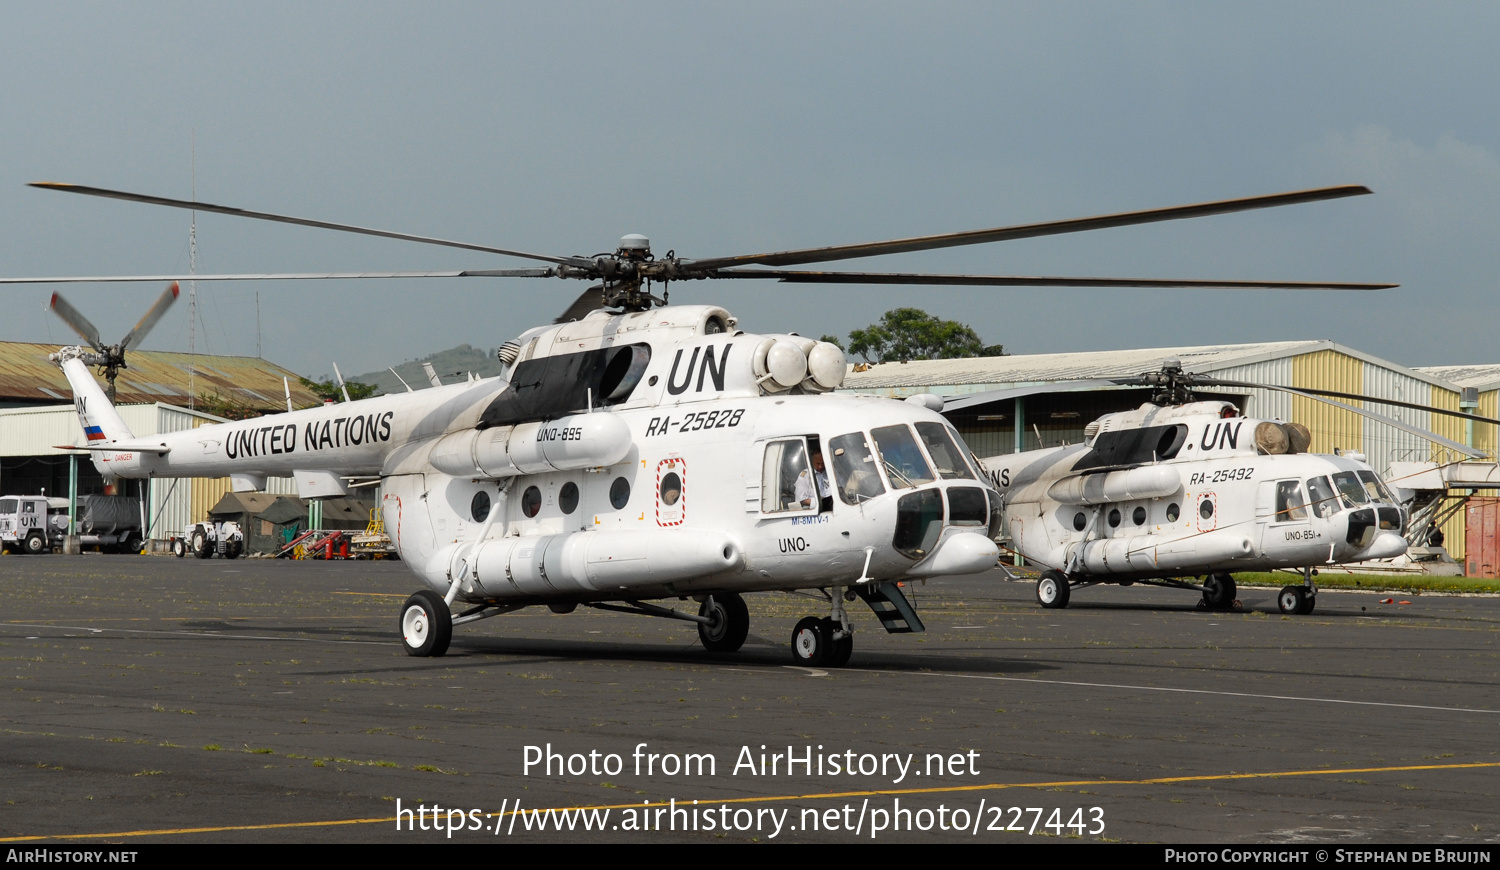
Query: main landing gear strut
[{"x": 826, "y": 642}]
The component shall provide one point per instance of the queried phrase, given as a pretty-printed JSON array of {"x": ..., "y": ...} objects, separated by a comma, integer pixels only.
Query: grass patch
[{"x": 1374, "y": 582}]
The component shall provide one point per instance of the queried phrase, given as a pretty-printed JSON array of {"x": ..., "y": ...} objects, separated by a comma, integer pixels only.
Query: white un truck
[{"x": 37, "y": 524}]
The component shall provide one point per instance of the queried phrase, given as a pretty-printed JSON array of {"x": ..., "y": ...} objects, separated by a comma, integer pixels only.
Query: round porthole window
[
  {"x": 531, "y": 501},
  {"x": 619, "y": 493},
  {"x": 1114, "y": 517},
  {"x": 1174, "y": 511},
  {"x": 1138, "y": 516},
  {"x": 1206, "y": 509},
  {"x": 1079, "y": 521},
  {"x": 567, "y": 497},
  {"x": 671, "y": 489},
  {"x": 479, "y": 508}
]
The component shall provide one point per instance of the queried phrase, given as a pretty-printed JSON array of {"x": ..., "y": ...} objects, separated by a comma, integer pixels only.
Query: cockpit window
[
  {"x": 945, "y": 454},
  {"x": 901, "y": 457},
  {"x": 1290, "y": 503},
  {"x": 1374, "y": 488},
  {"x": 854, "y": 468},
  {"x": 1350, "y": 488},
  {"x": 785, "y": 462},
  {"x": 1324, "y": 502}
]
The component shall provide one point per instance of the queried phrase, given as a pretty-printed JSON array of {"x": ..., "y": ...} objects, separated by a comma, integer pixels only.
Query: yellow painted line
[{"x": 993, "y": 786}]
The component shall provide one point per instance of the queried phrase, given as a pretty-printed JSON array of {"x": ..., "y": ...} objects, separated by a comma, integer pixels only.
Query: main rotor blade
[
  {"x": 163, "y": 302},
  {"x": 74, "y": 318},
  {"x": 1029, "y": 280},
  {"x": 1389, "y": 421},
  {"x": 1026, "y": 231},
  {"x": 289, "y": 276},
  {"x": 285, "y": 219},
  {"x": 587, "y": 301},
  {"x": 1202, "y": 380}
]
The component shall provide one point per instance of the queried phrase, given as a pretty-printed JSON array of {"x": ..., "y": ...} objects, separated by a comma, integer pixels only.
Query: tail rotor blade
[
  {"x": 74, "y": 318},
  {"x": 163, "y": 302}
]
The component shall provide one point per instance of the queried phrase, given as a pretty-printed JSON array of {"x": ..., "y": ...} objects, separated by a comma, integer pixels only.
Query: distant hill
[{"x": 452, "y": 366}]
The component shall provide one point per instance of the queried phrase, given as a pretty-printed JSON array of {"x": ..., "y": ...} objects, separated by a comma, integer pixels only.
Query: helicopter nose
[
  {"x": 1387, "y": 545},
  {"x": 961, "y": 553}
]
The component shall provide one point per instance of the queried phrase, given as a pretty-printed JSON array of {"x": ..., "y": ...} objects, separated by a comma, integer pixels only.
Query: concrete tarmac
[{"x": 151, "y": 699}]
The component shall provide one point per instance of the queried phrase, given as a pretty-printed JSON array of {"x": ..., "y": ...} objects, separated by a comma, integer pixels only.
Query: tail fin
[{"x": 100, "y": 420}]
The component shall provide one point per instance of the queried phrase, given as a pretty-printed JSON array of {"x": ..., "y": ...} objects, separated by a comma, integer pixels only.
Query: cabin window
[
  {"x": 945, "y": 454},
  {"x": 531, "y": 501},
  {"x": 1174, "y": 510},
  {"x": 1291, "y": 505},
  {"x": 567, "y": 497},
  {"x": 1390, "y": 519},
  {"x": 671, "y": 489},
  {"x": 1324, "y": 503},
  {"x": 903, "y": 460},
  {"x": 1138, "y": 516},
  {"x": 619, "y": 493},
  {"x": 479, "y": 508},
  {"x": 785, "y": 461},
  {"x": 7, "y": 505},
  {"x": 1114, "y": 517},
  {"x": 1206, "y": 509},
  {"x": 1079, "y": 521},
  {"x": 854, "y": 471}
]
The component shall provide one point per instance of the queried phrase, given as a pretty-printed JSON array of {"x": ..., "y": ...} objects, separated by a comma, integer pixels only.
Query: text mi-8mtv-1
[{"x": 635, "y": 452}]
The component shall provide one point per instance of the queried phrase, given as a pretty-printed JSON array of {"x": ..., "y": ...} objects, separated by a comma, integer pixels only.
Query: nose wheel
[{"x": 825, "y": 642}]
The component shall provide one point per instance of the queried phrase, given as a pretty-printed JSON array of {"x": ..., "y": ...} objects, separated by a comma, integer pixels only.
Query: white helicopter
[
  {"x": 631, "y": 453},
  {"x": 1179, "y": 489}
]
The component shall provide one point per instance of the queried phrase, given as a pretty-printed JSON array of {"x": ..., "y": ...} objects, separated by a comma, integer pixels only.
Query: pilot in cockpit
[{"x": 803, "y": 491}]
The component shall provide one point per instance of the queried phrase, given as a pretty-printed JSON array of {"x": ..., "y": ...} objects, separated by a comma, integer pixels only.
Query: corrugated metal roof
[
  {"x": 1482, "y": 377},
  {"x": 27, "y": 377}
]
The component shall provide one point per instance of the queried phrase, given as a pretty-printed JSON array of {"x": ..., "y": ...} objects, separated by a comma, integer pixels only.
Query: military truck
[{"x": 35, "y": 524}]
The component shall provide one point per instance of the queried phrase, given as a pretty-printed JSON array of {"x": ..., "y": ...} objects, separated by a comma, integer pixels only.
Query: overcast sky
[{"x": 724, "y": 128}]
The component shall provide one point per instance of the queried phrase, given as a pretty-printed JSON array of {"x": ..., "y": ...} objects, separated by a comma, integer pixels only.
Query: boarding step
[{"x": 890, "y": 606}]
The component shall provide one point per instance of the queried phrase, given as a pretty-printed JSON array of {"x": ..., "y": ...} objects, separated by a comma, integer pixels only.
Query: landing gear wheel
[
  {"x": 179, "y": 547},
  {"x": 1219, "y": 591},
  {"x": 426, "y": 624},
  {"x": 838, "y": 650},
  {"x": 35, "y": 545},
  {"x": 731, "y": 622},
  {"x": 811, "y": 642},
  {"x": 1293, "y": 600},
  {"x": 201, "y": 547},
  {"x": 1052, "y": 590}
]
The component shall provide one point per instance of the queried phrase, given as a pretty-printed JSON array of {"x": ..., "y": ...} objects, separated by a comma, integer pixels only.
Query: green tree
[
  {"x": 905, "y": 334},
  {"x": 328, "y": 389}
]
